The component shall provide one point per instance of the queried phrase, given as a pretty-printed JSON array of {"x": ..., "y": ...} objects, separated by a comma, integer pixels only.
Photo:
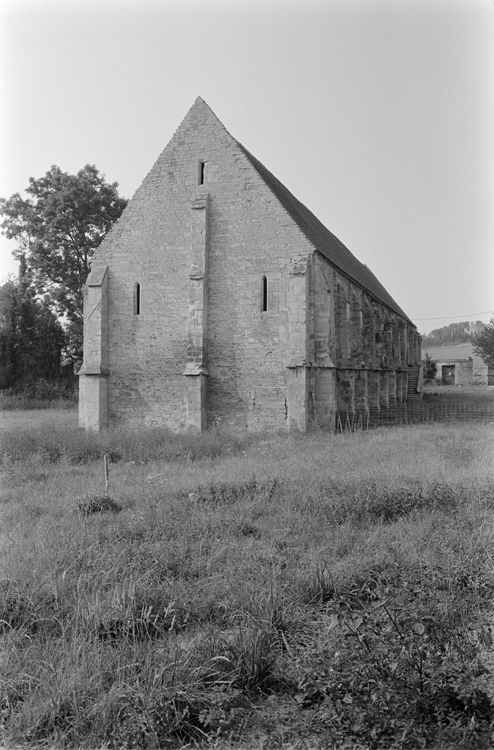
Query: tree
[
  {"x": 31, "y": 337},
  {"x": 430, "y": 367},
  {"x": 57, "y": 227},
  {"x": 483, "y": 344}
]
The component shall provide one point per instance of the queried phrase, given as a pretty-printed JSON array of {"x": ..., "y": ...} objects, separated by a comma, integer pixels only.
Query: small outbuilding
[{"x": 455, "y": 372}]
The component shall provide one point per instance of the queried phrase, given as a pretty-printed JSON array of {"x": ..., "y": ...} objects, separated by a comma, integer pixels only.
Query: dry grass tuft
[{"x": 98, "y": 504}]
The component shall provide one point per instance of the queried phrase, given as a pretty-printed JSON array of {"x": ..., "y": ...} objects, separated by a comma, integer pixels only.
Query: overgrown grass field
[{"x": 247, "y": 591}]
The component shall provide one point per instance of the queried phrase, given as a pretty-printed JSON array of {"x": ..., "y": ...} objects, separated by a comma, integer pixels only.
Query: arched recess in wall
[
  {"x": 368, "y": 331},
  {"x": 379, "y": 337},
  {"x": 404, "y": 342},
  {"x": 356, "y": 327},
  {"x": 137, "y": 298},
  {"x": 395, "y": 341},
  {"x": 347, "y": 332},
  {"x": 388, "y": 338},
  {"x": 342, "y": 311}
]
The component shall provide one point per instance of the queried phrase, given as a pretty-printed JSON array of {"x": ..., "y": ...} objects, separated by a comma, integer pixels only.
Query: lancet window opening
[
  {"x": 264, "y": 294},
  {"x": 202, "y": 172},
  {"x": 137, "y": 298}
]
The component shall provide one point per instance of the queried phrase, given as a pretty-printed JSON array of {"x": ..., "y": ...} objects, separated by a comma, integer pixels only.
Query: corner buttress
[
  {"x": 93, "y": 384},
  {"x": 298, "y": 367}
]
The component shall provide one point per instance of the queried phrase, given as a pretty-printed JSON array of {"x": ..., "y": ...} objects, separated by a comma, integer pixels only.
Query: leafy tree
[
  {"x": 430, "y": 367},
  {"x": 31, "y": 337},
  {"x": 483, "y": 344},
  {"x": 57, "y": 227}
]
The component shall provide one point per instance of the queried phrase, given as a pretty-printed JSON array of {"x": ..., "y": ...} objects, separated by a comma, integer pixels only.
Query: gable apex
[
  {"x": 199, "y": 115},
  {"x": 201, "y": 105},
  {"x": 324, "y": 241}
]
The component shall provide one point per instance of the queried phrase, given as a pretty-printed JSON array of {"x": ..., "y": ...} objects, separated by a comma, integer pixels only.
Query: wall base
[
  {"x": 196, "y": 400},
  {"x": 93, "y": 401}
]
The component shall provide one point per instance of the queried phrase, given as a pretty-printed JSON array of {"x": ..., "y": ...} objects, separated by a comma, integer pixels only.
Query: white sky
[{"x": 377, "y": 114}]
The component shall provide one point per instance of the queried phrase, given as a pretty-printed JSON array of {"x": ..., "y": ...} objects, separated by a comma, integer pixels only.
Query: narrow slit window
[
  {"x": 264, "y": 294},
  {"x": 202, "y": 172},
  {"x": 137, "y": 299}
]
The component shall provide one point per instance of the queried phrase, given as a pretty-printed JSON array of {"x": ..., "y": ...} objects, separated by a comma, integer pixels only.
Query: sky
[{"x": 377, "y": 114}]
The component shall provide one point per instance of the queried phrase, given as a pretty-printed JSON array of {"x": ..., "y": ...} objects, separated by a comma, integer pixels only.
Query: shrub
[
  {"x": 393, "y": 661},
  {"x": 430, "y": 367}
]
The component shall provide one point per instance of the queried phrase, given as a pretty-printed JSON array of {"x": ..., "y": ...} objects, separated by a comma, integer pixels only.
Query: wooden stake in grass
[{"x": 105, "y": 464}]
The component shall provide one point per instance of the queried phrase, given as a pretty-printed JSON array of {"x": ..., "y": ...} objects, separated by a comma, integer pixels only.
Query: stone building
[
  {"x": 461, "y": 371},
  {"x": 218, "y": 298},
  {"x": 455, "y": 371}
]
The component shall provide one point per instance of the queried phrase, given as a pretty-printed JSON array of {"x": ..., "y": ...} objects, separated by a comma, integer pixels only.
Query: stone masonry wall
[
  {"x": 250, "y": 236},
  {"x": 359, "y": 344},
  {"x": 240, "y": 322}
]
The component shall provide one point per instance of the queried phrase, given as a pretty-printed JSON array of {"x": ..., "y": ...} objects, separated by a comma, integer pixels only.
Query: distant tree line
[
  {"x": 454, "y": 333},
  {"x": 57, "y": 226}
]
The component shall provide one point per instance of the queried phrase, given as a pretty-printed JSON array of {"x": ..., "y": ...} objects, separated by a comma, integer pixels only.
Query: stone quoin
[{"x": 218, "y": 298}]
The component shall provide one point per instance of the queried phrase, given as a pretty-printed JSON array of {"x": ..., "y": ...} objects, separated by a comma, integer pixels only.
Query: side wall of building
[{"x": 361, "y": 345}]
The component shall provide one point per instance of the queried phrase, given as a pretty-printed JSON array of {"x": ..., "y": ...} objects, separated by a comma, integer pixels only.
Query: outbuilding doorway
[{"x": 448, "y": 374}]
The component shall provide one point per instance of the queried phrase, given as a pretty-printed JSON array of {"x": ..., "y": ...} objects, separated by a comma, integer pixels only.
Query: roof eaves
[{"x": 323, "y": 241}]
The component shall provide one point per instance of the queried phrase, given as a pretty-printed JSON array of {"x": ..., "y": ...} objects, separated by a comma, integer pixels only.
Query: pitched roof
[{"x": 323, "y": 240}]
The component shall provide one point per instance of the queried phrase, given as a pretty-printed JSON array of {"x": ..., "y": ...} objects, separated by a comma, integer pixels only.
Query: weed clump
[
  {"x": 224, "y": 493},
  {"x": 249, "y": 659},
  {"x": 98, "y": 504},
  {"x": 373, "y": 502},
  {"x": 22, "y": 612},
  {"x": 393, "y": 665},
  {"x": 146, "y": 619}
]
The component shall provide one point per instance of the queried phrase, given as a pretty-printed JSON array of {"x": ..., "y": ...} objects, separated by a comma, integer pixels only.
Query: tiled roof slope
[{"x": 323, "y": 240}]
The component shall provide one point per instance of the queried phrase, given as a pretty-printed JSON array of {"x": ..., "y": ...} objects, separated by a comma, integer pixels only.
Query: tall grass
[
  {"x": 40, "y": 394},
  {"x": 262, "y": 591},
  {"x": 66, "y": 442}
]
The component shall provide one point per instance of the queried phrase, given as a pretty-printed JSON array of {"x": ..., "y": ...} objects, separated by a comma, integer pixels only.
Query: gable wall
[{"x": 250, "y": 235}]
